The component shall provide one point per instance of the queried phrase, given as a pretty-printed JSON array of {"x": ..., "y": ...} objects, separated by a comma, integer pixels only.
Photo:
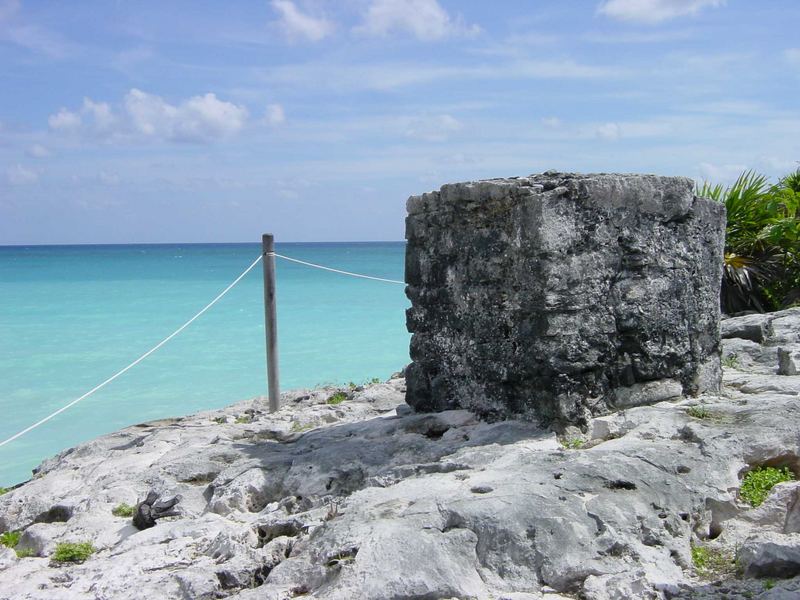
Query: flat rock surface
[{"x": 349, "y": 500}]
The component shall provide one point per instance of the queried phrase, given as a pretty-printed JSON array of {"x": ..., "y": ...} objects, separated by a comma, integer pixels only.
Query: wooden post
[{"x": 271, "y": 321}]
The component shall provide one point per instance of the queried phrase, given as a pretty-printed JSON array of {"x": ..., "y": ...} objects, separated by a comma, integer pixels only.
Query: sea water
[{"x": 71, "y": 316}]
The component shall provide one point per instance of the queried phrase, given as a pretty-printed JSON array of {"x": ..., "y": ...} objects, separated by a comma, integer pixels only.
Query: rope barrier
[
  {"x": 136, "y": 362},
  {"x": 316, "y": 266},
  {"x": 181, "y": 328}
]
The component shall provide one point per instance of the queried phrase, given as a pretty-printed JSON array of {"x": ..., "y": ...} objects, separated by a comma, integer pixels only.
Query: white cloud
[
  {"x": 15, "y": 30},
  {"x": 436, "y": 128},
  {"x": 19, "y": 175},
  {"x": 197, "y": 119},
  {"x": 296, "y": 24},
  {"x": 551, "y": 122},
  {"x": 37, "y": 151},
  {"x": 792, "y": 56},
  {"x": 654, "y": 11},
  {"x": 274, "y": 114},
  {"x": 608, "y": 131},
  {"x": 64, "y": 120},
  {"x": 424, "y": 19}
]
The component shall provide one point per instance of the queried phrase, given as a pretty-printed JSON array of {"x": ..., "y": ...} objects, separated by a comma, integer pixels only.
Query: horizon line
[{"x": 41, "y": 245}]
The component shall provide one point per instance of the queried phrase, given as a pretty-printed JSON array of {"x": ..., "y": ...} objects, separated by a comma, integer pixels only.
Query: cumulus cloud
[
  {"x": 296, "y": 24},
  {"x": 654, "y": 11},
  {"x": 437, "y": 128},
  {"x": 424, "y": 19},
  {"x": 64, "y": 120},
  {"x": 274, "y": 114},
  {"x": 19, "y": 175},
  {"x": 142, "y": 115}
]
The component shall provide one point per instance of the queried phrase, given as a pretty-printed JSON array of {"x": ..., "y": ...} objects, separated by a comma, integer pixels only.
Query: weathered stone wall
[{"x": 561, "y": 295}]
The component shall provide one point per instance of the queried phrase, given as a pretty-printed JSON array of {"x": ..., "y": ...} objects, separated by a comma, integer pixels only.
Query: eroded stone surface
[
  {"x": 353, "y": 501},
  {"x": 561, "y": 296}
]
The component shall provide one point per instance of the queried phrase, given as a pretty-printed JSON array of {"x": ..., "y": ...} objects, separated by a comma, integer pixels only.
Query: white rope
[
  {"x": 302, "y": 262},
  {"x": 137, "y": 361}
]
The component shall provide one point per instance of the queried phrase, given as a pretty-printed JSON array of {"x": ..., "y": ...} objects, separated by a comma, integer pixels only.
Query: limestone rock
[
  {"x": 771, "y": 555},
  {"x": 562, "y": 296},
  {"x": 357, "y": 501}
]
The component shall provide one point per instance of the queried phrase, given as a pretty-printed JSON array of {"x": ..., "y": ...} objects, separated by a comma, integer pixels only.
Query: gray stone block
[{"x": 559, "y": 296}]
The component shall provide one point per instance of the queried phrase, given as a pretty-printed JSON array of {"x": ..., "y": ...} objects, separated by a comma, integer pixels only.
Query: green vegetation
[
  {"x": 762, "y": 243},
  {"x": 712, "y": 563},
  {"x": 298, "y": 427},
  {"x": 573, "y": 443},
  {"x": 757, "y": 483},
  {"x": 25, "y": 553},
  {"x": 10, "y": 538},
  {"x": 769, "y": 584},
  {"x": 123, "y": 510},
  {"x": 4, "y": 490},
  {"x": 220, "y": 420},
  {"x": 244, "y": 419},
  {"x": 698, "y": 412},
  {"x": 731, "y": 361},
  {"x": 337, "y": 398},
  {"x": 75, "y": 552}
]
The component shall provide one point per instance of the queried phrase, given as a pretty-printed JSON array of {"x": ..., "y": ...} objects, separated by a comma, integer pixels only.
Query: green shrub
[
  {"x": 337, "y": 398},
  {"x": 711, "y": 562},
  {"x": 123, "y": 510},
  {"x": 731, "y": 361},
  {"x": 10, "y": 538},
  {"x": 244, "y": 419},
  {"x": 757, "y": 483},
  {"x": 4, "y": 490},
  {"x": 762, "y": 242},
  {"x": 25, "y": 553},
  {"x": 75, "y": 552},
  {"x": 572, "y": 443},
  {"x": 698, "y": 412}
]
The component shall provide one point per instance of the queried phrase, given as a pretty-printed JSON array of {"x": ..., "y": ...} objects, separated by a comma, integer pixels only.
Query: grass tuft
[
  {"x": 731, "y": 361},
  {"x": 123, "y": 510},
  {"x": 25, "y": 553},
  {"x": 10, "y": 538},
  {"x": 73, "y": 552},
  {"x": 573, "y": 443},
  {"x": 712, "y": 563},
  {"x": 337, "y": 398},
  {"x": 244, "y": 419},
  {"x": 758, "y": 483},
  {"x": 4, "y": 490},
  {"x": 698, "y": 412}
]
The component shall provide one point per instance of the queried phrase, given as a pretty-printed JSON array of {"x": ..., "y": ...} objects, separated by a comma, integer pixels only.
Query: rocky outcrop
[
  {"x": 562, "y": 296},
  {"x": 352, "y": 500}
]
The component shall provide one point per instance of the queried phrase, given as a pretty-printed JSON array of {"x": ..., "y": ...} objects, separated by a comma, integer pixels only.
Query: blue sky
[{"x": 315, "y": 119}]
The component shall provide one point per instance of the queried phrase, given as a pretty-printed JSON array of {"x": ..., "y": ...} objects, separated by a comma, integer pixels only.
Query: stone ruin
[{"x": 561, "y": 296}]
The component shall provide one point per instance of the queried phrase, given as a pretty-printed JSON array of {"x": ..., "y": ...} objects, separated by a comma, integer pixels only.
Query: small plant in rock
[
  {"x": 220, "y": 420},
  {"x": 337, "y": 398},
  {"x": 712, "y": 563},
  {"x": 4, "y": 490},
  {"x": 298, "y": 427},
  {"x": 698, "y": 412},
  {"x": 25, "y": 553},
  {"x": 573, "y": 443},
  {"x": 10, "y": 538},
  {"x": 72, "y": 552},
  {"x": 123, "y": 510},
  {"x": 758, "y": 482},
  {"x": 374, "y": 380},
  {"x": 244, "y": 419},
  {"x": 731, "y": 361},
  {"x": 769, "y": 584}
]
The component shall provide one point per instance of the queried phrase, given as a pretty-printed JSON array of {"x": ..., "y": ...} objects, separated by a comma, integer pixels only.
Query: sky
[{"x": 201, "y": 121}]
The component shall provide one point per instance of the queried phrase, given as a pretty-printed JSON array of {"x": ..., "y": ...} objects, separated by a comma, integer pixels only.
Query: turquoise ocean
[{"x": 71, "y": 316}]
